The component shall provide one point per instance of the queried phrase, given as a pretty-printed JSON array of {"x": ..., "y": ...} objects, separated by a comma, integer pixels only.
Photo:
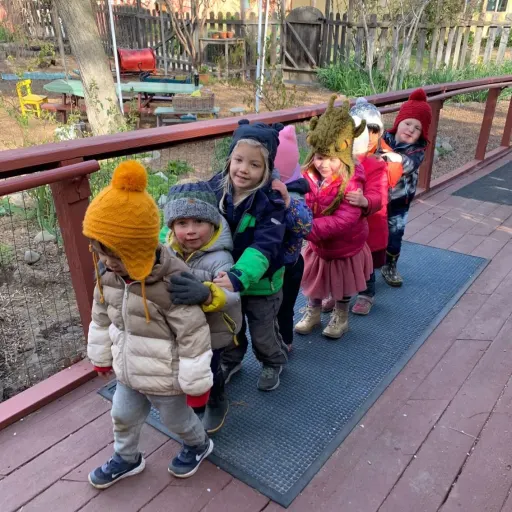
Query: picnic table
[
  {"x": 146, "y": 91},
  {"x": 171, "y": 111}
]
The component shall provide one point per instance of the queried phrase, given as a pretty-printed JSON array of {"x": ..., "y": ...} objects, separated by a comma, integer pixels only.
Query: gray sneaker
[
  {"x": 269, "y": 378},
  {"x": 229, "y": 371}
]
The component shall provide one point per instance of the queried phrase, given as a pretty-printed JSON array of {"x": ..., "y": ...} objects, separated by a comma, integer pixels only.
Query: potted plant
[
  {"x": 230, "y": 35},
  {"x": 215, "y": 35},
  {"x": 204, "y": 77},
  {"x": 223, "y": 35}
]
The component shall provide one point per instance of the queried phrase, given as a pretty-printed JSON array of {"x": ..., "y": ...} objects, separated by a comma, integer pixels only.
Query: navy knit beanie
[
  {"x": 192, "y": 201},
  {"x": 267, "y": 135}
]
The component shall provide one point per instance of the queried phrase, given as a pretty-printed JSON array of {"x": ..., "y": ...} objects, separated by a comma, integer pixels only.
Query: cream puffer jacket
[{"x": 171, "y": 354}]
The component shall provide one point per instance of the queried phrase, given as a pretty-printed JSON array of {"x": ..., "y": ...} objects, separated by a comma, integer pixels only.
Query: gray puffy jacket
[{"x": 205, "y": 264}]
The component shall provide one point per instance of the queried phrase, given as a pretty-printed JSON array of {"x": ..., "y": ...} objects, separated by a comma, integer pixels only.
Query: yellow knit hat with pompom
[{"x": 125, "y": 219}]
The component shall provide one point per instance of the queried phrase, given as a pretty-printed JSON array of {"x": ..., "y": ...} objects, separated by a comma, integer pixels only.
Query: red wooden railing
[{"x": 66, "y": 165}]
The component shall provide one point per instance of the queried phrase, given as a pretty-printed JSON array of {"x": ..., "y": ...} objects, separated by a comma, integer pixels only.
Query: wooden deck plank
[
  {"x": 386, "y": 458},
  {"x": 141, "y": 488},
  {"x": 150, "y": 440},
  {"x": 427, "y": 480},
  {"x": 487, "y": 477},
  {"x": 62, "y": 496},
  {"x": 30, "y": 480},
  {"x": 447, "y": 377},
  {"x": 19, "y": 445},
  {"x": 192, "y": 494},
  {"x": 237, "y": 497}
]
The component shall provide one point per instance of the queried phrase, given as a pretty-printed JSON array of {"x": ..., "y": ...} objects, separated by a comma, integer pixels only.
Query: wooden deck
[{"x": 438, "y": 439}]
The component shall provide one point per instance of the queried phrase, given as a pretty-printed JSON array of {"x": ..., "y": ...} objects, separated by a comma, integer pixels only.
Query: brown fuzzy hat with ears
[{"x": 333, "y": 135}]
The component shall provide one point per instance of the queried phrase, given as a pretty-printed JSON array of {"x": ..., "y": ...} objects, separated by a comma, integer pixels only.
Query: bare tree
[
  {"x": 103, "y": 110},
  {"x": 189, "y": 29}
]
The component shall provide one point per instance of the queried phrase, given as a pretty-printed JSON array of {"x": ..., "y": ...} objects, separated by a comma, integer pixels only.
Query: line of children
[{"x": 158, "y": 311}]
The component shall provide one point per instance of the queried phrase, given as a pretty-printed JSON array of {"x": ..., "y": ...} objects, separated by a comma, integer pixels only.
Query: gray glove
[{"x": 185, "y": 288}]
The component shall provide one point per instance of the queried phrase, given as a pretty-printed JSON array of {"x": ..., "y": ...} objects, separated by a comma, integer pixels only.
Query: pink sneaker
[
  {"x": 328, "y": 305},
  {"x": 363, "y": 305}
]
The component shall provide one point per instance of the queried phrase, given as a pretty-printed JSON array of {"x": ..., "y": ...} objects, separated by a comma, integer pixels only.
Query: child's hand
[
  {"x": 106, "y": 375},
  {"x": 223, "y": 281},
  {"x": 357, "y": 198},
  {"x": 187, "y": 289},
  {"x": 392, "y": 157},
  {"x": 281, "y": 188}
]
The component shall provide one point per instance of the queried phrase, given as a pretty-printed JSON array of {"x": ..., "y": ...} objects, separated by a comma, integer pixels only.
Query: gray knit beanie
[
  {"x": 192, "y": 201},
  {"x": 369, "y": 113}
]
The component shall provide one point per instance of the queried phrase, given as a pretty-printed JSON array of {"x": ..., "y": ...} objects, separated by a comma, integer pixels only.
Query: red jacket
[
  {"x": 344, "y": 233},
  {"x": 376, "y": 192}
]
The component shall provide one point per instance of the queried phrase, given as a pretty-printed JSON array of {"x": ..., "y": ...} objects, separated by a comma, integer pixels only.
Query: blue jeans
[{"x": 398, "y": 211}]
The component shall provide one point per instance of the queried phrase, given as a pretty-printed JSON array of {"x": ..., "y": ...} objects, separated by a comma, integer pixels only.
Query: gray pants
[
  {"x": 260, "y": 312},
  {"x": 130, "y": 409}
]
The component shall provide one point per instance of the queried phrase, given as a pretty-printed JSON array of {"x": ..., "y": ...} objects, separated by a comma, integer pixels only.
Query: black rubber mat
[
  {"x": 496, "y": 187},
  {"x": 277, "y": 441}
]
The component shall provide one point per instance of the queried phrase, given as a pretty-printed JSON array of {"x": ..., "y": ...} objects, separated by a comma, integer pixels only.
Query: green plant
[
  {"x": 7, "y": 255},
  {"x": 221, "y": 153},
  {"x": 6, "y": 36},
  {"x": 204, "y": 69},
  {"x": 45, "y": 208}
]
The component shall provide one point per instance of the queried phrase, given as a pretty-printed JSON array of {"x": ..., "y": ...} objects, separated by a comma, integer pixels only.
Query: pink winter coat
[
  {"x": 344, "y": 233},
  {"x": 376, "y": 192}
]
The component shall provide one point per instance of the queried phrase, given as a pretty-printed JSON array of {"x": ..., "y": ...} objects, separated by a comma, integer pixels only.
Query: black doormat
[
  {"x": 276, "y": 442},
  {"x": 496, "y": 187}
]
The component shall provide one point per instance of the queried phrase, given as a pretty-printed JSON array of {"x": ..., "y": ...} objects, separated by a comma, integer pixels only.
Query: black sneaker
[
  {"x": 229, "y": 371},
  {"x": 269, "y": 378},
  {"x": 115, "y": 469},
  {"x": 187, "y": 462},
  {"x": 391, "y": 275},
  {"x": 215, "y": 414}
]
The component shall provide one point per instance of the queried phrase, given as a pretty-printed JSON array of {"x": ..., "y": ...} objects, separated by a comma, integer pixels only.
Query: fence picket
[
  {"x": 440, "y": 47},
  {"x": 435, "y": 39},
  {"x": 449, "y": 46},
  {"x": 383, "y": 45},
  {"x": 420, "y": 50},
  {"x": 491, "y": 36},
  {"x": 457, "y": 49},
  {"x": 465, "y": 45},
  {"x": 336, "y": 39},
  {"x": 505, "y": 33},
  {"x": 343, "y": 42},
  {"x": 475, "y": 54}
]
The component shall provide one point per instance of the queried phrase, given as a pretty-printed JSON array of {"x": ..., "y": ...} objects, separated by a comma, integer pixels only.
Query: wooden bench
[
  {"x": 64, "y": 108},
  {"x": 171, "y": 111}
]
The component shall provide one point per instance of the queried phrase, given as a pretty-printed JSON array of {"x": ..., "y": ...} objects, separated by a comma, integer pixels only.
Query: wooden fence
[
  {"x": 300, "y": 45},
  {"x": 136, "y": 28},
  {"x": 435, "y": 47}
]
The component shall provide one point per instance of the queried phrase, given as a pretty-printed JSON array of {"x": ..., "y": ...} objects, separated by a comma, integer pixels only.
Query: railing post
[
  {"x": 71, "y": 198},
  {"x": 426, "y": 167},
  {"x": 507, "y": 131},
  {"x": 485, "y": 129}
]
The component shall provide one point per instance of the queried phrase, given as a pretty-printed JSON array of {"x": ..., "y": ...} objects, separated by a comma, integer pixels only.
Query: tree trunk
[{"x": 101, "y": 101}]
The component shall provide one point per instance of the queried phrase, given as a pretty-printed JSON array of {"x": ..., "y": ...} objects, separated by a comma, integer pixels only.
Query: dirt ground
[{"x": 40, "y": 330}]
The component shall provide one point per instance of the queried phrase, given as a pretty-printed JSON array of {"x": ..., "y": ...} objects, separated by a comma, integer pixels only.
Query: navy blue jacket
[
  {"x": 412, "y": 157},
  {"x": 258, "y": 229}
]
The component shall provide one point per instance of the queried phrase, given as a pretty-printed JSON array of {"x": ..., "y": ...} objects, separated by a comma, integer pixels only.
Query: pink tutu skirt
[{"x": 335, "y": 278}]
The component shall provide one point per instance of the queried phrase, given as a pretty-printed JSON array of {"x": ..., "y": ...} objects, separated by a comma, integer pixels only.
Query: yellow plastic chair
[{"x": 27, "y": 99}]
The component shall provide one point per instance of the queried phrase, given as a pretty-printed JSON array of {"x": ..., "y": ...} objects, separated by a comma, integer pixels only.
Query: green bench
[{"x": 170, "y": 111}]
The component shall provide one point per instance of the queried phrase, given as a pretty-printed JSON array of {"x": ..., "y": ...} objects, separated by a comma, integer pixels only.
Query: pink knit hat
[{"x": 287, "y": 158}]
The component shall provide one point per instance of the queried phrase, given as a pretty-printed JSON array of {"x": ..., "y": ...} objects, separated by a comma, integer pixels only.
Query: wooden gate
[{"x": 303, "y": 40}]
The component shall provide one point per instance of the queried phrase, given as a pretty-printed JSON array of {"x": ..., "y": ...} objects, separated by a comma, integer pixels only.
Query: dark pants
[
  {"x": 291, "y": 287},
  {"x": 370, "y": 286},
  {"x": 260, "y": 312},
  {"x": 398, "y": 210}
]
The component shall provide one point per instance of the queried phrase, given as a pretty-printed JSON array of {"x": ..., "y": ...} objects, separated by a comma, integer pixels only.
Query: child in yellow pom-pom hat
[{"x": 160, "y": 352}]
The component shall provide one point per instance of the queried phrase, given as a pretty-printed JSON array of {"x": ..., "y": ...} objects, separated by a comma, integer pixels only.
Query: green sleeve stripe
[{"x": 252, "y": 265}]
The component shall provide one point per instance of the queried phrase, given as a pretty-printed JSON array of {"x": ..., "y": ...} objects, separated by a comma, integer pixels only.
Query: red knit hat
[{"x": 416, "y": 107}]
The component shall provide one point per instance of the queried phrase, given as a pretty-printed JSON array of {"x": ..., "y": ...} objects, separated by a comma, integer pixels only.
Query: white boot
[
  {"x": 338, "y": 324},
  {"x": 311, "y": 318}
]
